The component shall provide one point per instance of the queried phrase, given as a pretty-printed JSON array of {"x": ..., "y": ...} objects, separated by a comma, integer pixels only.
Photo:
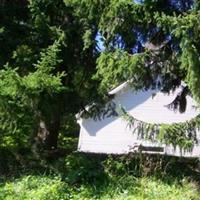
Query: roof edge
[{"x": 118, "y": 88}]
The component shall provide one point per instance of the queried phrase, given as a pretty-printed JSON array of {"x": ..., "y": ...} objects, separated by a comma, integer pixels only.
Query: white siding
[{"x": 112, "y": 136}]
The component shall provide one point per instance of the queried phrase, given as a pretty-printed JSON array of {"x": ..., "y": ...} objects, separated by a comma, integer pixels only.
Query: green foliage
[
  {"x": 23, "y": 56},
  {"x": 186, "y": 29},
  {"x": 43, "y": 79},
  {"x": 48, "y": 59},
  {"x": 84, "y": 169},
  {"x": 120, "y": 17},
  {"x": 127, "y": 187},
  {"x": 179, "y": 134},
  {"x": 117, "y": 67},
  {"x": 190, "y": 61},
  {"x": 35, "y": 187},
  {"x": 183, "y": 134},
  {"x": 20, "y": 94},
  {"x": 53, "y": 82},
  {"x": 86, "y": 176},
  {"x": 87, "y": 38},
  {"x": 115, "y": 180}
]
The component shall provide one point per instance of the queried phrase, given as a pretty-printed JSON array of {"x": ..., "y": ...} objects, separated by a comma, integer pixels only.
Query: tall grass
[
  {"x": 127, "y": 188},
  {"x": 96, "y": 177}
]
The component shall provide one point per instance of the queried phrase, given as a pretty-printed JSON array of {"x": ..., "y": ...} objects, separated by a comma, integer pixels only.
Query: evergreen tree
[{"x": 59, "y": 55}]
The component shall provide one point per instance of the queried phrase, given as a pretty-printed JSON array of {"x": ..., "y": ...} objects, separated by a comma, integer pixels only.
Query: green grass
[
  {"x": 34, "y": 188},
  {"x": 78, "y": 176},
  {"x": 125, "y": 188}
]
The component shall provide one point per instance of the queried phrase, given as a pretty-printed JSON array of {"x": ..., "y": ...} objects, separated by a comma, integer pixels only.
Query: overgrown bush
[
  {"x": 36, "y": 188},
  {"x": 45, "y": 187}
]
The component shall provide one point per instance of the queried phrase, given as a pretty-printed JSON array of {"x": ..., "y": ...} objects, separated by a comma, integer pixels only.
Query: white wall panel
[{"x": 111, "y": 135}]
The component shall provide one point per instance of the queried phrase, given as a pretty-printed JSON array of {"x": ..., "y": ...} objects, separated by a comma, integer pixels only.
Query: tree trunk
[
  {"x": 48, "y": 134},
  {"x": 49, "y": 122}
]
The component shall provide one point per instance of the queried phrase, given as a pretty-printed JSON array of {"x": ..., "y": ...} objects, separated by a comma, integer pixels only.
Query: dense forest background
[{"x": 58, "y": 56}]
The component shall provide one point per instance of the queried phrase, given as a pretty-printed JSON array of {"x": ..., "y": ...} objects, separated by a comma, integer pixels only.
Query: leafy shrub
[
  {"x": 35, "y": 188},
  {"x": 83, "y": 168}
]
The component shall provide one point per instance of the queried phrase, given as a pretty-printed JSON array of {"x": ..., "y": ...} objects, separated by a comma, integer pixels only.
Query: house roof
[
  {"x": 118, "y": 88},
  {"x": 151, "y": 102}
]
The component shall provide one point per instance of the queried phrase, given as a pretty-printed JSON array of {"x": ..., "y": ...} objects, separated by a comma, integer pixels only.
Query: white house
[{"x": 111, "y": 135}]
